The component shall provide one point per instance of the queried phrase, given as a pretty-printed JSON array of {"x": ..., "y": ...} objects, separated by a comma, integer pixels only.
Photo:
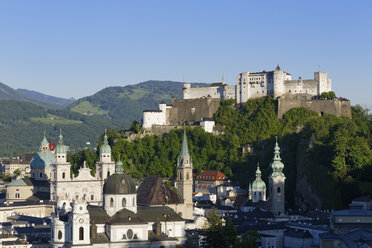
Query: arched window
[
  {"x": 41, "y": 174},
  {"x": 59, "y": 234},
  {"x": 278, "y": 190},
  {"x": 180, "y": 176},
  {"x": 92, "y": 197},
  {"x": 134, "y": 201},
  {"x": 81, "y": 233},
  {"x": 124, "y": 202},
  {"x": 108, "y": 173},
  {"x": 111, "y": 202},
  {"x": 63, "y": 175},
  {"x": 187, "y": 176}
]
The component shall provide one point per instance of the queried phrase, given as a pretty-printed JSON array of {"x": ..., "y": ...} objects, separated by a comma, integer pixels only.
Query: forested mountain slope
[
  {"x": 127, "y": 103},
  {"x": 40, "y": 97},
  {"x": 22, "y": 125}
]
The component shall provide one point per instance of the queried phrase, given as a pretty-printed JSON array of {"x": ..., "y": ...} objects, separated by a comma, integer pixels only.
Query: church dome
[
  {"x": 105, "y": 148},
  {"x": 119, "y": 183},
  {"x": 42, "y": 160},
  {"x": 258, "y": 184}
]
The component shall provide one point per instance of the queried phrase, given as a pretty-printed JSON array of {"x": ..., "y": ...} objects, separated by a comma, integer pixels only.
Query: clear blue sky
[{"x": 75, "y": 48}]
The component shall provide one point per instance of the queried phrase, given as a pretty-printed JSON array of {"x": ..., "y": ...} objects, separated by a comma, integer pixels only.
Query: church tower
[
  {"x": 61, "y": 168},
  {"x": 185, "y": 181},
  {"x": 276, "y": 181},
  {"x": 105, "y": 166},
  {"x": 258, "y": 187},
  {"x": 80, "y": 223}
]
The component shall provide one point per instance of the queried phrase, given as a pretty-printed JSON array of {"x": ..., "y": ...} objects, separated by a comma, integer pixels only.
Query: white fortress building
[{"x": 252, "y": 85}]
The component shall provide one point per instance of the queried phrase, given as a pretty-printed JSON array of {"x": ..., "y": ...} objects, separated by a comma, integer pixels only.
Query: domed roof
[
  {"x": 42, "y": 160},
  {"x": 105, "y": 148},
  {"x": 277, "y": 164},
  {"x": 119, "y": 183},
  {"x": 258, "y": 184}
]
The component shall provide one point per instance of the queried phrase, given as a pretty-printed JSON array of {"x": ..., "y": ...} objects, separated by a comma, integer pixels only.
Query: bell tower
[
  {"x": 276, "y": 183},
  {"x": 105, "y": 166},
  {"x": 185, "y": 181}
]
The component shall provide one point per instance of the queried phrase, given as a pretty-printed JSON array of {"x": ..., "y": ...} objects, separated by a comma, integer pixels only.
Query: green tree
[{"x": 17, "y": 172}]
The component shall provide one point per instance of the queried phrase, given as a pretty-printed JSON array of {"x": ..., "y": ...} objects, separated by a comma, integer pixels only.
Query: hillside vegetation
[
  {"x": 335, "y": 150},
  {"x": 127, "y": 103},
  {"x": 47, "y": 99},
  {"x": 22, "y": 125}
]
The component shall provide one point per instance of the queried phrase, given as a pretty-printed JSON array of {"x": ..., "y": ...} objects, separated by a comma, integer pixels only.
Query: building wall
[
  {"x": 292, "y": 242},
  {"x": 18, "y": 193},
  {"x": 336, "y": 107},
  {"x": 151, "y": 118},
  {"x": 207, "y": 126},
  {"x": 40, "y": 210},
  {"x": 8, "y": 169},
  {"x": 201, "y": 92}
]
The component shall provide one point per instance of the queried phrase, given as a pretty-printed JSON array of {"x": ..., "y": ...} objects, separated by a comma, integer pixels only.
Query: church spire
[
  {"x": 277, "y": 164},
  {"x": 60, "y": 148},
  {"x": 184, "y": 148}
]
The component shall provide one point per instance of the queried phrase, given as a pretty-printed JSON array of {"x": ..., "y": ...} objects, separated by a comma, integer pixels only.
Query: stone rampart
[
  {"x": 191, "y": 110},
  {"x": 338, "y": 107}
]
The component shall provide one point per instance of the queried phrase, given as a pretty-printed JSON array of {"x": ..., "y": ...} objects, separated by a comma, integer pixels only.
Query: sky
[{"x": 76, "y": 48}]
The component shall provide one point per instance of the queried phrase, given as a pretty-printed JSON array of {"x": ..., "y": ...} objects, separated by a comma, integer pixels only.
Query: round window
[{"x": 129, "y": 234}]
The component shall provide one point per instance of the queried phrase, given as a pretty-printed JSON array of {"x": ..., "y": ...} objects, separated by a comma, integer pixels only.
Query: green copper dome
[
  {"x": 277, "y": 164},
  {"x": 42, "y": 160},
  {"x": 60, "y": 148},
  {"x": 258, "y": 184},
  {"x": 105, "y": 148},
  {"x": 119, "y": 183}
]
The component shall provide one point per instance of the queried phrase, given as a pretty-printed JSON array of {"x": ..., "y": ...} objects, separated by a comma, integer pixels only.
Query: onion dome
[
  {"x": 44, "y": 145},
  {"x": 60, "y": 148},
  {"x": 258, "y": 184},
  {"x": 105, "y": 148},
  {"x": 119, "y": 183},
  {"x": 277, "y": 164}
]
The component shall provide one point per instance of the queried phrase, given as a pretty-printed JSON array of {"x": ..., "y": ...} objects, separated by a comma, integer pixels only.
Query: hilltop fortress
[{"x": 200, "y": 103}]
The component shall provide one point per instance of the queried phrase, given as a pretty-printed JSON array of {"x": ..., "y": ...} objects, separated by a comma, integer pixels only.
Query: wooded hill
[{"x": 327, "y": 159}]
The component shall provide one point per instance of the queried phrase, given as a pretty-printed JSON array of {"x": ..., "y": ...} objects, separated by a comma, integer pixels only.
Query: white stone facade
[
  {"x": 252, "y": 85},
  {"x": 208, "y": 125}
]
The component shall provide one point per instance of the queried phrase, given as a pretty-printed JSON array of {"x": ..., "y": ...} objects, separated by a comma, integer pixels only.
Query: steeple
[
  {"x": 44, "y": 145},
  {"x": 277, "y": 165},
  {"x": 184, "y": 157},
  {"x": 60, "y": 148},
  {"x": 105, "y": 148}
]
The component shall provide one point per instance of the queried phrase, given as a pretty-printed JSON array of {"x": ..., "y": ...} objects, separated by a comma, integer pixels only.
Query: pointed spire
[
  {"x": 60, "y": 140},
  {"x": 277, "y": 150},
  {"x": 184, "y": 148},
  {"x": 258, "y": 171}
]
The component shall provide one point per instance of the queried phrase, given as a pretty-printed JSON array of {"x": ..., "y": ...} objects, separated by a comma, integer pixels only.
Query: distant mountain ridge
[
  {"x": 8, "y": 93},
  {"x": 38, "y": 96},
  {"x": 127, "y": 102}
]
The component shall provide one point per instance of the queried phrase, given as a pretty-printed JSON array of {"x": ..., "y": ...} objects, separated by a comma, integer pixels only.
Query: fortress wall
[
  {"x": 301, "y": 86},
  {"x": 153, "y": 117},
  {"x": 192, "y": 110},
  {"x": 336, "y": 107},
  {"x": 194, "y": 93}
]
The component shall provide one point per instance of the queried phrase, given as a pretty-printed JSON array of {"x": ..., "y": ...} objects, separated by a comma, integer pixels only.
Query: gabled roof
[
  {"x": 160, "y": 213},
  {"x": 211, "y": 175},
  {"x": 153, "y": 191},
  {"x": 21, "y": 182},
  {"x": 97, "y": 214}
]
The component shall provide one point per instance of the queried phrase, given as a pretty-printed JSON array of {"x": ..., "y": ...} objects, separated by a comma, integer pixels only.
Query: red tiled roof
[{"x": 211, "y": 175}]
